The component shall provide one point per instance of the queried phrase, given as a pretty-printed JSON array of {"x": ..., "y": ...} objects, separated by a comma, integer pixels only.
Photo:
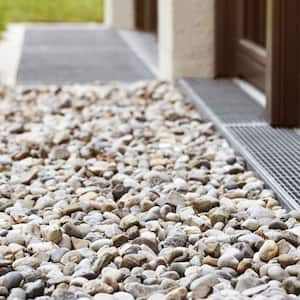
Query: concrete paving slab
[
  {"x": 145, "y": 46},
  {"x": 63, "y": 54}
]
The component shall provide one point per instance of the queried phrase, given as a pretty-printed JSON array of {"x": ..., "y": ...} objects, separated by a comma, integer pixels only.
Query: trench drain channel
[{"x": 273, "y": 153}]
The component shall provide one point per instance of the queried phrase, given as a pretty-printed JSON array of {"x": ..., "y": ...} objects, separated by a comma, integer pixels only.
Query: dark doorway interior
[{"x": 146, "y": 15}]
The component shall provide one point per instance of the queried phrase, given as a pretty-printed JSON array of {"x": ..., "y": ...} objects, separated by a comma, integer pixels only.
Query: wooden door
[
  {"x": 283, "y": 63},
  {"x": 242, "y": 39},
  {"x": 250, "y": 48},
  {"x": 259, "y": 41}
]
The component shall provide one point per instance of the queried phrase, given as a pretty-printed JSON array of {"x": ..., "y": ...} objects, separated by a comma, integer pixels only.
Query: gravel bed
[{"x": 121, "y": 192}]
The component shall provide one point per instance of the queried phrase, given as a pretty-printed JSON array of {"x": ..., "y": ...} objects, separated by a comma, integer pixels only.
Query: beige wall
[
  {"x": 187, "y": 39},
  {"x": 119, "y": 14},
  {"x": 186, "y": 34}
]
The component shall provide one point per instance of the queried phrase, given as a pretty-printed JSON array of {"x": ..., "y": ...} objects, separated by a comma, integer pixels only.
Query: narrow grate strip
[{"x": 277, "y": 151}]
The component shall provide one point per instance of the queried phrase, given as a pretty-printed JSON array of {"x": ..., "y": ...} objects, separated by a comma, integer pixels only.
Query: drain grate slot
[{"x": 277, "y": 151}]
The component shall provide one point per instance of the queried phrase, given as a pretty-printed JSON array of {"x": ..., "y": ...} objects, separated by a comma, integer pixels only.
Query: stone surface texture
[{"x": 120, "y": 192}]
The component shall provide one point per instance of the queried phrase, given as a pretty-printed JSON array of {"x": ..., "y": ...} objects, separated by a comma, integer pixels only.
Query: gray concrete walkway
[{"x": 61, "y": 54}]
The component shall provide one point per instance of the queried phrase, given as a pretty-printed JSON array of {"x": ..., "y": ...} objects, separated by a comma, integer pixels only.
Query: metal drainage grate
[
  {"x": 274, "y": 154},
  {"x": 277, "y": 151}
]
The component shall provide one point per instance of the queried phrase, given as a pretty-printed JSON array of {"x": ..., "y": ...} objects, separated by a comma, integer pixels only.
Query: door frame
[
  {"x": 282, "y": 72},
  {"x": 283, "y": 62}
]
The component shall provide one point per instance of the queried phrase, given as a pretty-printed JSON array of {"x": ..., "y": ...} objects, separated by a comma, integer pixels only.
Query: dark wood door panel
[
  {"x": 283, "y": 63},
  {"x": 242, "y": 40},
  {"x": 251, "y": 71},
  {"x": 254, "y": 27},
  {"x": 251, "y": 42},
  {"x": 251, "y": 63}
]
